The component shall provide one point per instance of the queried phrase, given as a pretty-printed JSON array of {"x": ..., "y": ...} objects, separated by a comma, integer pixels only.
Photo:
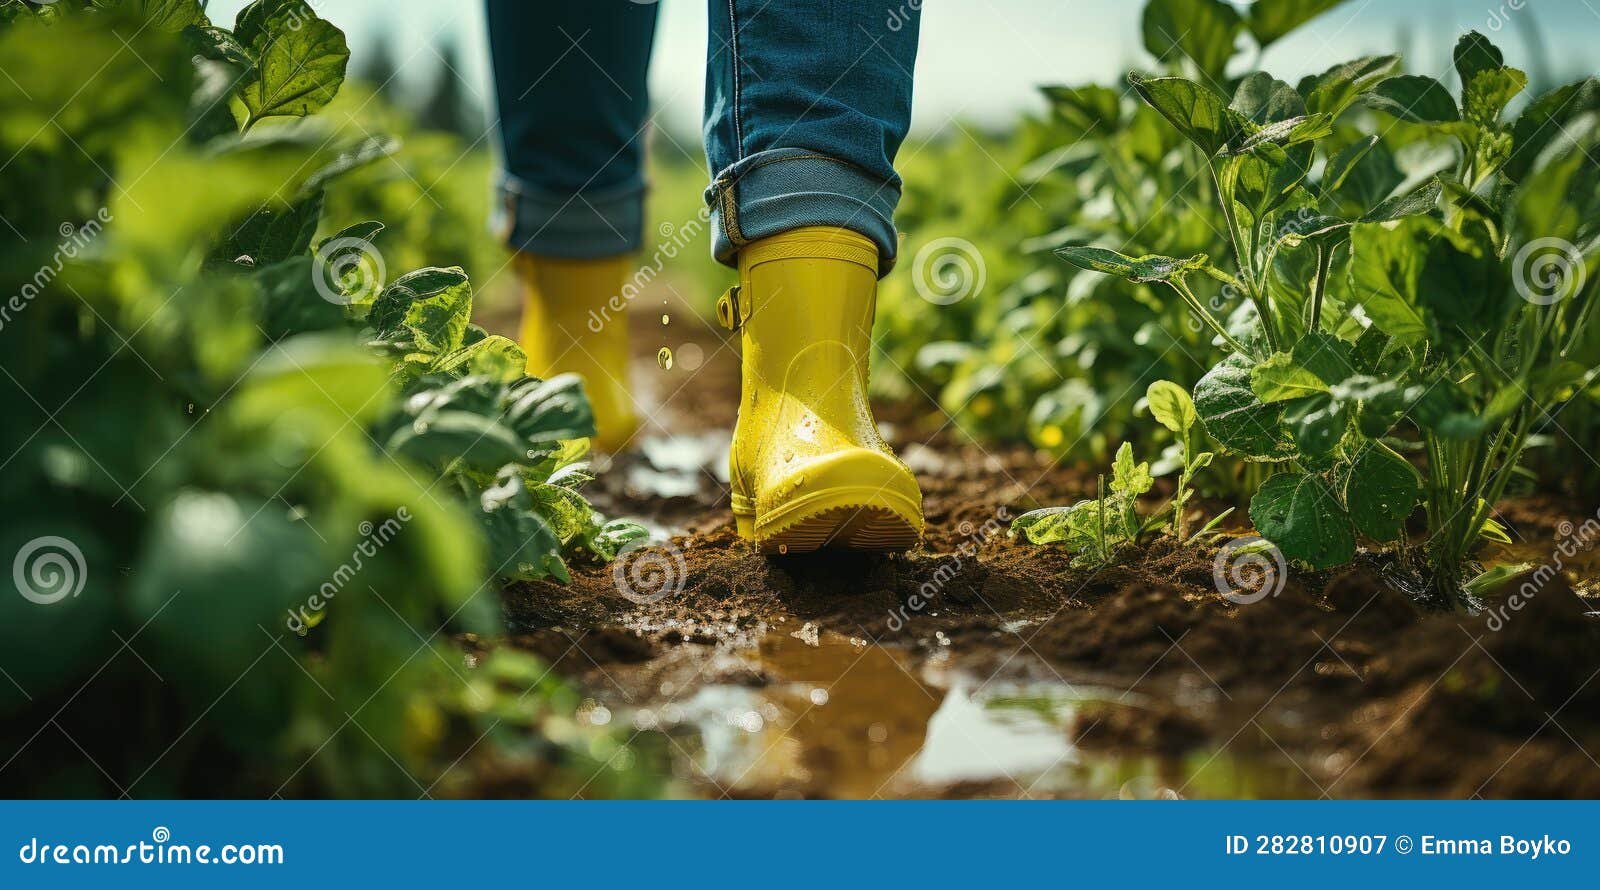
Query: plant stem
[
  {"x": 1100, "y": 505},
  {"x": 1198, "y": 309},
  {"x": 1320, "y": 286}
]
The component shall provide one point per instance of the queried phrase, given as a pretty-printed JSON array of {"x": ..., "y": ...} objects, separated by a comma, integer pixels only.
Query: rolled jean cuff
[
  {"x": 780, "y": 189},
  {"x": 582, "y": 225}
]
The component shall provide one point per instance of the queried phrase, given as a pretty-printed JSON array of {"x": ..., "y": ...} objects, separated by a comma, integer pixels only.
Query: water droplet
[
  {"x": 664, "y": 358},
  {"x": 783, "y": 548},
  {"x": 665, "y": 318},
  {"x": 788, "y": 455}
]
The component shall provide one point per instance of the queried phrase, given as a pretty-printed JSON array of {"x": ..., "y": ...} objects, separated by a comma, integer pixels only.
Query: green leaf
[
  {"x": 1336, "y": 89},
  {"x": 430, "y": 306},
  {"x": 1280, "y": 378},
  {"x": 1379, "y": 403},
  {"x": 314, "y": 372},
  {"x": 1128, "y": 477},
  {"x": 545, "y": 412},
  {"x": 1544, "y": 121},
  {"x": 1415, "y": 98},
  {"x": 522, "y": 545},
  {"x": 1298, "y": 513},
  {"x": 610, "y": 538},
  {"x": 1279, "y": 135},
  {"x": 1385, "y": 270},
  {"x": 1340, "y": 165},
  {"x": 1135, "y": 269},
  {"x": 1086, "y": 109},
  {"x": 1171, "y": 406},
  {"x": 1234, "y": 416},
  {"x": 493, "y": 356},
  {"x": 1464, "y": 292},
  {"x": 172, "y": 15},
  {"x": 273, "y": 235},
  {"x": 1556, "y": 204},
  {"x": 1422, "y": 199},
  {"x": 1317, "y": 425},
  {"x": 1201, "y": 32},
  {"x": 1318, "y": 361},
  {"x": 1195, "y": 110},
  {"x": 1381, "y": 490},
  {"x": 479, "y": 443},
  {"x": 1076, "y": 526},
  {"x": 1270, "y": 20},
  {"x": 300, "y": 59},
  {"x": 1488, "y": 93},
  {"x": 1474, "y": 54},
  {"x": 1263, "y": 99}
]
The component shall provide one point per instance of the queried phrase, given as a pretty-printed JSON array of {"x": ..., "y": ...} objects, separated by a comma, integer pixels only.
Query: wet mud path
[{"x": 978, "y": 666}]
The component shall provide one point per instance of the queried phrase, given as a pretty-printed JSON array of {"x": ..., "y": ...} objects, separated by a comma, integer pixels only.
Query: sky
[{"x": 982, "y": 60}]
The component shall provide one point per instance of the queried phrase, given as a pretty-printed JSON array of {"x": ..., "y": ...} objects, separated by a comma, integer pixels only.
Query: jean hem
[
  {"x": 776, "y": 190},
  {"x": 589, "y": 224}
]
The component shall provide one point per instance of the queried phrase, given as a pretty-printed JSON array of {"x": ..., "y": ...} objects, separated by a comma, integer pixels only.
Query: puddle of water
[{"x": 845, "y": 718}]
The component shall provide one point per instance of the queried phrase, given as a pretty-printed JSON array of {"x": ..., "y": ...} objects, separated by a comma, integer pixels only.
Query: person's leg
[
  {"x": 807, "y": 103},
  {"x": 570, "y": 87}
]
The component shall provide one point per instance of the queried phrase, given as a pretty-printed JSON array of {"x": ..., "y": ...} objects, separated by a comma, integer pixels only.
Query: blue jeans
[{"x": 807, "y": 102}]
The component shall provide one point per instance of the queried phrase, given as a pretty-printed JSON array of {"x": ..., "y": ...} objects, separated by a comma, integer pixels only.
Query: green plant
[
  {"x": 1025, "y": 348},
  {"x": 1382, "y": 313},
  {"x": 1171, "y": 406},
  {"x": 1098, "y": 529},
  {"x": 212, "y": 428}
]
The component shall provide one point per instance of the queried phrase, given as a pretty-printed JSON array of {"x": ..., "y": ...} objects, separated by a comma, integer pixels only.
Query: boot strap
[{"x": 730, "y": 312}]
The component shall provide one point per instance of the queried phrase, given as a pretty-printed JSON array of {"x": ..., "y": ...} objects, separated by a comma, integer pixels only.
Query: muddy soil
[{"x": 979, "y": 666}]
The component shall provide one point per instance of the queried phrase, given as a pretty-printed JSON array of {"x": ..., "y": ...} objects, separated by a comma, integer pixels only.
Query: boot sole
[{"x": 843, "y": 520}]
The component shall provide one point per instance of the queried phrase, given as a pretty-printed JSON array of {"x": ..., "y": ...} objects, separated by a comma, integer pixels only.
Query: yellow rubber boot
[
  {"x": 573, "y": 320},
  {"x": 808, "y": 467}
]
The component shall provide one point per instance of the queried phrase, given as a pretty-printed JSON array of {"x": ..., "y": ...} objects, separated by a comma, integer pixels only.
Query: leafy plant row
[
  {"x": 1384, "y": 324},
  {"x": 286, "y": 480}
]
